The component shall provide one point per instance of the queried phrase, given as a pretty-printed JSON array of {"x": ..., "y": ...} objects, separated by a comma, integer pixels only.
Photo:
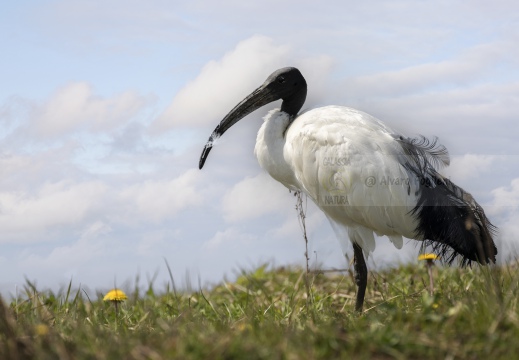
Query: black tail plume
[
  {"x": 449, "y": 219},
  {"x": 453, "y": 223}
]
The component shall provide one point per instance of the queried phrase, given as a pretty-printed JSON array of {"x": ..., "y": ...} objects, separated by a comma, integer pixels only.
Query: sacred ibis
[{"x": 365, "y": 177}]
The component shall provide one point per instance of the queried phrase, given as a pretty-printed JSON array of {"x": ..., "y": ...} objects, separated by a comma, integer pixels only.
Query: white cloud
[
  {"x": 27, "y": 217},
  {"x": 156, "y": 200},
  {"x": 460, "y": 70},
  {"x": 75, "y": 107},
  {"x": 504, "y": 210},
  {"x": 161, "y": 239},
  {"x": 13, "y": 164},
  {"x": 88, "y": 246},
  {"x": 474, "y": 118},
  {"x": 468, "y": 165},
  {"x": 254, "y": 197},
  {"x": 291, "y": 227},
  {"x": 227, "y": 238},
  {"x": 507, "y": 241},
  {"x": 507, "y": 198},
  {"x": 223, "y": 83},
  {"x": 114, "y": 25},
  {"x": 55, "y": 208}
]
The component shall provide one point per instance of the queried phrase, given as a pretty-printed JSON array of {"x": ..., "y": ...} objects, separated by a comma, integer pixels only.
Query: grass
[{"x": 267, "y": 314}]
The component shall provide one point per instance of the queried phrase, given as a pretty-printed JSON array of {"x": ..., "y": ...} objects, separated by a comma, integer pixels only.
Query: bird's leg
[{"x": 361, "y": 276}]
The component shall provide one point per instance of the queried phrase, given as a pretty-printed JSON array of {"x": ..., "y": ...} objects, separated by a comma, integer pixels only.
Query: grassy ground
[{"x": 267, "y": 314}]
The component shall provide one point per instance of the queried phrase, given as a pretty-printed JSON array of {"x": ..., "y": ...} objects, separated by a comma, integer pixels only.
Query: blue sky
[{"x": 105, "y": 107}]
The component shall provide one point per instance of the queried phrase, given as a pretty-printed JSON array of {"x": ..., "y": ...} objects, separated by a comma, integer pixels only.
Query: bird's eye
[{"x": 281, "y": 79}]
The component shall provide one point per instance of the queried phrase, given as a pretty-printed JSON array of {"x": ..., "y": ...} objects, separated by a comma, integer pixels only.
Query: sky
[{"x": 105, "y": 107}]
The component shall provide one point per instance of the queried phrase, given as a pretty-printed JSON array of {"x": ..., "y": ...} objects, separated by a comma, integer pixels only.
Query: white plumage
[
  {"x": 366, "y": 178},
  {"x": 344, "y": 160}
]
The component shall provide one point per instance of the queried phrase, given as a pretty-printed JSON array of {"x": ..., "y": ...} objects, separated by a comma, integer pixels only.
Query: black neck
[{"x": 293, "y": 103}]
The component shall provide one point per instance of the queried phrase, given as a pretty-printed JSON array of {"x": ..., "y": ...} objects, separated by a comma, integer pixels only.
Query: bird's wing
[
  {"x": 349, "y": 163},
  {"x": 366, "y": 179}
]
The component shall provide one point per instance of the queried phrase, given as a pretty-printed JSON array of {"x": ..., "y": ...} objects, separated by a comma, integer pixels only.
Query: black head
[
  {"x": 287, "y": 84},
  {"x": 290, "y": 85}
]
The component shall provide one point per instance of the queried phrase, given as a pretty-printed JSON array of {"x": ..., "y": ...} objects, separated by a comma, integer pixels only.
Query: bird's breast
[{"x": 270, "y": 148}]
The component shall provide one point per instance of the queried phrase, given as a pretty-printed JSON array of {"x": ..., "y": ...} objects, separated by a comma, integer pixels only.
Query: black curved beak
[{"x": 258, "y": 98}]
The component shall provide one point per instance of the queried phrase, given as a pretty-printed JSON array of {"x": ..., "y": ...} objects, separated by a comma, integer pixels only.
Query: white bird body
[
  {"x": 366, "y": 178},
  {"x": 346, "y": 161}
]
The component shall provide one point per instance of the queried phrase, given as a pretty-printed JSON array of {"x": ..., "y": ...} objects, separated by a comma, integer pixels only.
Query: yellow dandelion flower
[
  {"x": 428, "y": 257},
  {"x": 41, "y": 329},
  {"x": 115, "y": 295}
]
